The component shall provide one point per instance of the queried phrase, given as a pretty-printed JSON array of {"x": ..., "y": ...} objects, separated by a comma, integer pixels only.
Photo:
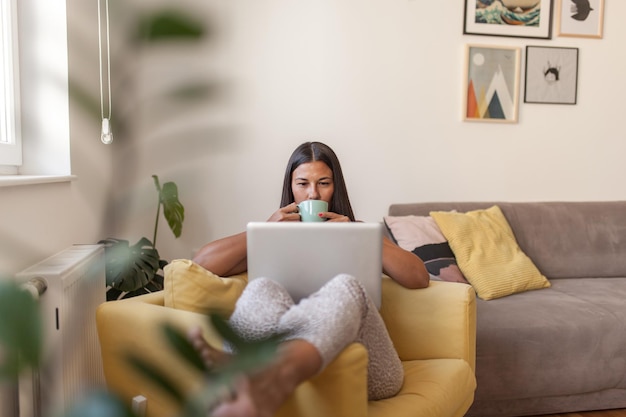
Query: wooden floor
[{"x": 606, "y": 413}]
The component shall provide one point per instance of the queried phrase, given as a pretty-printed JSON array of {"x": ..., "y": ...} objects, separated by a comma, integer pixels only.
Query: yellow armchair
[
  {"x": 433, "y": 329},
  {"x": 434, "y": 332}
]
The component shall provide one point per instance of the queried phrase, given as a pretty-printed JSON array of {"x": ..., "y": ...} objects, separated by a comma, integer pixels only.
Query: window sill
[{"x": 16, "y": 180}]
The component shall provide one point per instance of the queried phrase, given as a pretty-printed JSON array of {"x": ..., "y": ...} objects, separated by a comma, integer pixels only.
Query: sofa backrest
[{"x": 564, "y": 239}]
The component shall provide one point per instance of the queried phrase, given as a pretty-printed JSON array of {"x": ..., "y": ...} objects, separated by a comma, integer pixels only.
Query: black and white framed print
[
  {"x": 551, "y": 75},
  {"x": 580, "y": 18}
]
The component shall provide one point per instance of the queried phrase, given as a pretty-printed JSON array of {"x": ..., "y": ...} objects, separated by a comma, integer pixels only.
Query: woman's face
[{"x": 312, "y": 181}]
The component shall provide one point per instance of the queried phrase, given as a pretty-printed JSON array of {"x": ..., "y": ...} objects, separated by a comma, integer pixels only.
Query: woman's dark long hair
[{"x": 317, "y": 151}]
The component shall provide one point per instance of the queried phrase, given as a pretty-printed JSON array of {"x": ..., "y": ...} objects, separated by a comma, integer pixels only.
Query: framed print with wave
[
  {"x": 492, "y": 79},
  {"x": 515, "y": 18}
]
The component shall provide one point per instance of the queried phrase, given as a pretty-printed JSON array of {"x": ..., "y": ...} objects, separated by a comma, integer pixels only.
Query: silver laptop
[{"x": 304, "y": 256}]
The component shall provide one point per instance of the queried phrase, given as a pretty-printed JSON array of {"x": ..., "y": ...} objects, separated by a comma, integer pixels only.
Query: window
[
  {"x": 10, "y": 138},
  {"x": 41, "y": 26}
]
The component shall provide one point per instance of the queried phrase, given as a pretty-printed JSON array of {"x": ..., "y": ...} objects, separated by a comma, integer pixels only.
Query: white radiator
[{"x": 70, "y": 285}]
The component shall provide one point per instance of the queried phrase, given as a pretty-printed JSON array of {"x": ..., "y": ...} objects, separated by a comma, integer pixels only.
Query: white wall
[
  {"x": 39, "y": 220},
  {"x": 378, "y": 80},
  {"x": 381, "y": 82}
]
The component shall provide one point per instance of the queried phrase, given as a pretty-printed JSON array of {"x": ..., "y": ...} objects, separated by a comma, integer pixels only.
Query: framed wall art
[
  {"x": 551, "y": 75},
  {"x": 491, "y": 88},
  {"x": 580, "y": 18},
  {"x": 516, "y": 18}
]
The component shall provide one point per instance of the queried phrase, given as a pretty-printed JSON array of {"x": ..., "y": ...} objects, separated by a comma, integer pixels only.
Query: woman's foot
[{"x": 211, "y": 356}]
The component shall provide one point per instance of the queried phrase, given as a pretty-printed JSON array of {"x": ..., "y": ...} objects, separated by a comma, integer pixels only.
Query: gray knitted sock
[
  {"x": 341, "y": 313},
  {"x": 259, "y": 309}
]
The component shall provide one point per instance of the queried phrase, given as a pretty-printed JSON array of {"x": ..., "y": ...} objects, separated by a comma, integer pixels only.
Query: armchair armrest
[
  {"x": 434, "y": 322},
  {"x": 132, "y": 326}
]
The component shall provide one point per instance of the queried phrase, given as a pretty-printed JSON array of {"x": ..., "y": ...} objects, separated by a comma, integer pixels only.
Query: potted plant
[{"x": 133, "y": 270}]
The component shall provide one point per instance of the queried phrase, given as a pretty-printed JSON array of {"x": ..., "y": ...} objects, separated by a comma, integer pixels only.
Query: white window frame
[
  {"x": 10, "y": 126},
  {"x": 43, "y": 94}
]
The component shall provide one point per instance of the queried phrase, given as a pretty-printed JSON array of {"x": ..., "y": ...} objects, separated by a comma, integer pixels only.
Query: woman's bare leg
[{"x": 262, "y": 393}]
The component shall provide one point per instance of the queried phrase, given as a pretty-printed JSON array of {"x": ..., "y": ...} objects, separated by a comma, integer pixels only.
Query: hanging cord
[{"x": 106, "y": 136}]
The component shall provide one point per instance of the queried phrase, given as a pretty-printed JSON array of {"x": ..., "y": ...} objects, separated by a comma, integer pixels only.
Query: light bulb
[{"x": 106, "y": 137}]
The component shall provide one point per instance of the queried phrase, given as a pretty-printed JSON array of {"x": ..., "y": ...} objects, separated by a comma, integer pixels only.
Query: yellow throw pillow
[
  {"x": 188, "y": 286},
  {"x": 488, "y": 254}
]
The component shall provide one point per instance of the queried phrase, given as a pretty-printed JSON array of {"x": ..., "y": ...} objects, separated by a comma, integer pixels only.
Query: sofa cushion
[
  {"x": 550, "y": 343},
  {"x": 188, "y": 286},
  {"x": 488, "y": 254},
  {"x": 421, "y": 236}
]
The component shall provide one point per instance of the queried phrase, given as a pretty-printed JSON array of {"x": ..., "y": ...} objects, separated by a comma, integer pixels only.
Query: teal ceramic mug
[{"x": 310, "y": 209}]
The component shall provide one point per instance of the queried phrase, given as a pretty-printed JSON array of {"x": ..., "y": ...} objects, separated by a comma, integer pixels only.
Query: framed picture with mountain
[
  {"x": 580, "y": 18},
  {"x": 491, "y": 87},
  {"x": 515, "y": 18}
]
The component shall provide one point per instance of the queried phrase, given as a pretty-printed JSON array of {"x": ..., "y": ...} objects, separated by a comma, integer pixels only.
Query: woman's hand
[
  {"x": 289, "y": 213},
  {"x": 334, "y": 217}
]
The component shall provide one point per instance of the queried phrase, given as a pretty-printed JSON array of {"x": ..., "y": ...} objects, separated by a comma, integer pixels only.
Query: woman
[{"x": 322, "y": 325}]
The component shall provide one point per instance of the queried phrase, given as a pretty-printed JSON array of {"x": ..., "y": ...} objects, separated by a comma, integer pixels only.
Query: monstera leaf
[
  {"x": 167, "y": 25},
  {"x": 173, "y": 210},
  {"x": 20, "y": 329},
  {"x": 129, "y": 268}
]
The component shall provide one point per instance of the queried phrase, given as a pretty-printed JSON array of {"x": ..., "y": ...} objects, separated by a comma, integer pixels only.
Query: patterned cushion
[{"x": 421, "y": 235}]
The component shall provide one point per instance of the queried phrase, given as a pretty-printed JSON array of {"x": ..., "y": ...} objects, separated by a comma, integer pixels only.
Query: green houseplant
[{"x": 133, "y": 270}]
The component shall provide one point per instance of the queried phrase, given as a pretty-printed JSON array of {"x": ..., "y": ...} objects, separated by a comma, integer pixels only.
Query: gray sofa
[{"x": 563, "y": 348}]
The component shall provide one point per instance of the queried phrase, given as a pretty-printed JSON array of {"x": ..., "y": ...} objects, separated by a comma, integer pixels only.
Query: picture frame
[
  {"x": 491, "y": 87},
  {"x": 580, "y": 18},
  {"x": 551, "y": 75},
  {"x": 514, "y": 18}
]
